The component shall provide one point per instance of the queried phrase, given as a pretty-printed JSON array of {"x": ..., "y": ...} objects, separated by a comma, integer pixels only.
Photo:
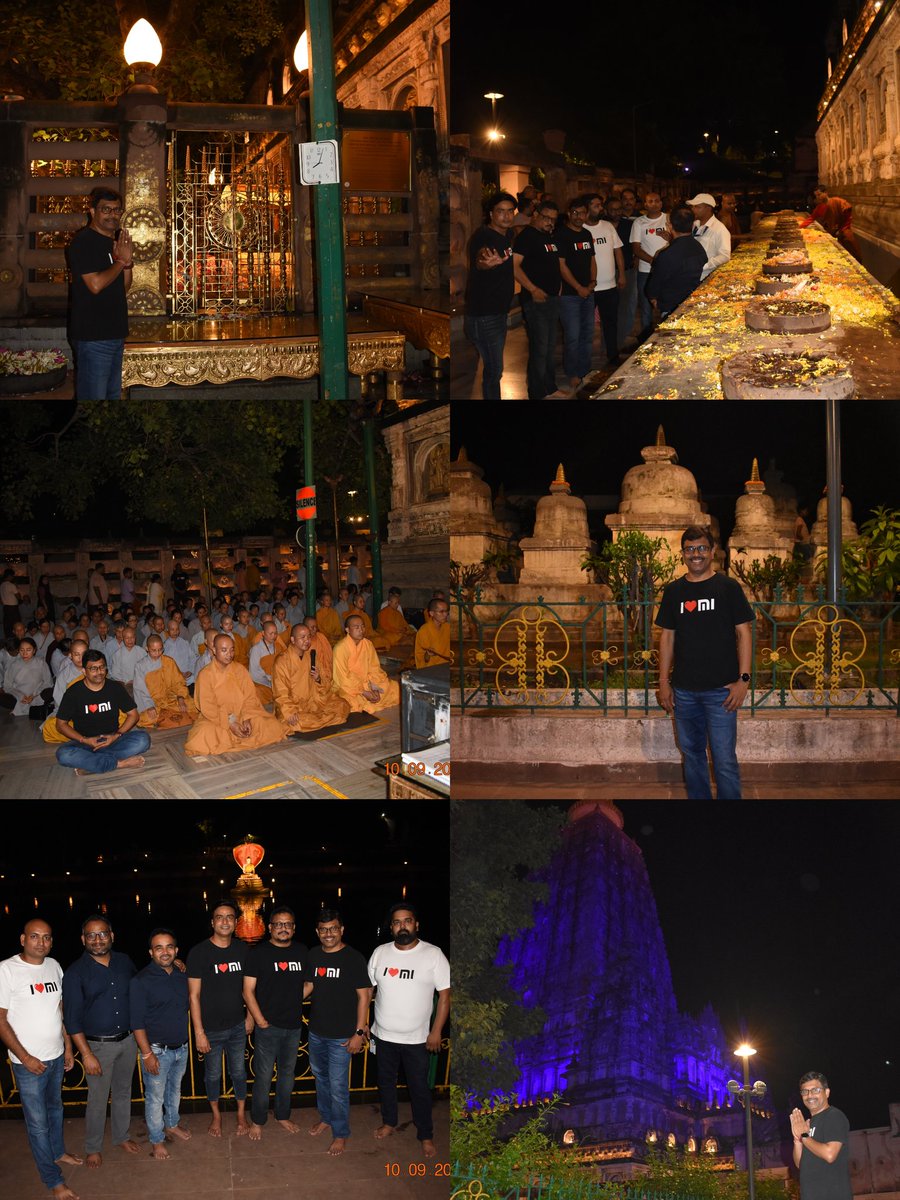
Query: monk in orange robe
[
  {"x": 160, "y": 691},
  {"x": 392, "y": 624},
  {"x": 231, "y": 716},
  {"x": 433, "y": 639},
  {"x": 358, "y": 676},
  {"x": 329, "y": 620},
  {"x": 324, "y": 654},
  {"x": 302, "y": 701},
  {"x": 359, "y": 610}
]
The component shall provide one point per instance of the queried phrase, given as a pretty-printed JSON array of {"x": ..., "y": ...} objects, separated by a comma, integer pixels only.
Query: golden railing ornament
[
  {"x": 829, "y": 632},
  {"x": 530, "y": 659},
  {"x": 601, "y": 657},
  {"x": 473, "y": 1190}
]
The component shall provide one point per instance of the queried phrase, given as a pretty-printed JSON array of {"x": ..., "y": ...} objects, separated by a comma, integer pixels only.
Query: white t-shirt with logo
[
  {"x": 648, "y": 231},
  {"x": 606, "y": 240},
  {"x": 406, "y": 981},
  {"x": 32, "y": 997}
]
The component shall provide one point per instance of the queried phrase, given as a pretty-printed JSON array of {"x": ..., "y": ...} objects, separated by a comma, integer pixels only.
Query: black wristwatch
[
  {"x": 361, "y": 1033},
  {"x": 744, "y": 677}
]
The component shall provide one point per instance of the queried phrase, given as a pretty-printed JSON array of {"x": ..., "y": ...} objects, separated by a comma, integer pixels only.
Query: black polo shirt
[
  {"x": 540, "y": 258},
  {"x": 489, "y": 293},
  {"x": 675, "y": 273},
  {"x": 104, "y": 316},
  {"x": 159, "y": 1004},
  {"x": 577, "y": 248}
]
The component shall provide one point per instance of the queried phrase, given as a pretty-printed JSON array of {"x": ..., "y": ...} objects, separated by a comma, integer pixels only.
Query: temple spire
[{"x": 660, "y": 436}]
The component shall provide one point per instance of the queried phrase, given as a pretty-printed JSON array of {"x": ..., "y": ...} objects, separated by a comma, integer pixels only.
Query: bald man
[
  {"x": 324, "y": 653},
  {"x": 303, "y": 702},
  {"x": 231, "y": 716},
  {"x": 160, "y": 690},
  {"x": 358, "y": 677},
  {"x": 433, "y": 639}
]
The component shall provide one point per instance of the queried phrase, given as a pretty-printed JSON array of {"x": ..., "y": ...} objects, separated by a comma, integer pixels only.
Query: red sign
[{"x": 306, "y": 504}]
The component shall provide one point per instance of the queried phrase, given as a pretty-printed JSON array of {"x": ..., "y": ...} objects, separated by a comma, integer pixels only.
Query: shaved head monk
[
  {"x": 328, "y": 619},
  {"x": 231, "y": 716},
  {"x": 324, "y": 654},
  {"x": 302, "y": 700},
  {"x": 160, "y": 691},
  {"x": 358, "y": 676},
  {"x": 433, "y": 639}
]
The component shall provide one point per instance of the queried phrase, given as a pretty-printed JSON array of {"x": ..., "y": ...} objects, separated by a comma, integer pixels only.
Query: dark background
[{"x": 521, "y": 444}]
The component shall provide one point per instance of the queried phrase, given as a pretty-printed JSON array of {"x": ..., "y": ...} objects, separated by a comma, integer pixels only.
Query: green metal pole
[
  {"x": 334, "y": 382},
  {"x": 374, "y": 518},
  {"x": 309, "y": 532}
]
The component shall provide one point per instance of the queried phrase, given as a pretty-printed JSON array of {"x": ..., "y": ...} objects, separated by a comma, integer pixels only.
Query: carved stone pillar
[{"x": 142, "y": 149}]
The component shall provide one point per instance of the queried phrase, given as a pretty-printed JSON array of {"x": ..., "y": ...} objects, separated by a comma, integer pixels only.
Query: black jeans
[
  {"x": 607, "y": 303},
  {"x": 542, "y": 326},
  {"x": 389, "y": 1056}
]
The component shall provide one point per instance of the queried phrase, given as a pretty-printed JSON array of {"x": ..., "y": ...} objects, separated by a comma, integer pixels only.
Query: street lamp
[
  {"x": 745, "y": 1092},
  {"x": 142, "y": 51},
  {"x": 494, "y": 133}
]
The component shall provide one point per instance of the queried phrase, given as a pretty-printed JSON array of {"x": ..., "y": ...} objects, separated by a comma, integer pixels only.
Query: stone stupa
[
  {"x": 474, "y": 531},
  {"x": 818, "y": 535},
  {"x": 756, "y": 532},
  {"x": 561, "y": 540}
]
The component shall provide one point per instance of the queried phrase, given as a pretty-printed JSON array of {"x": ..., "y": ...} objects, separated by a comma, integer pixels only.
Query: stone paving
[{"x": 681, "y": 360}]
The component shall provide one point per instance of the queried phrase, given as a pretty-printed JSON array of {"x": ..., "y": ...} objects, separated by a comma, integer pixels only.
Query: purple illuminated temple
[{"x": 633, "y": 1069}]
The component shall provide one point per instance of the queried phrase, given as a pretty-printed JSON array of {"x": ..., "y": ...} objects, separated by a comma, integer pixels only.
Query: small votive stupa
[
  {"x": 756, "y": 532},
  {"x": 561, "y": 539}
]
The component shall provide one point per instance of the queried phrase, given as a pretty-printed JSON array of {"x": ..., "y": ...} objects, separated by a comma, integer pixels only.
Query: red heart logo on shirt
[
  {"x": 282, "y": 966},
  {"x": 38, "y": 987},
  {"x": 223, "y": 966},
  {"x": 393, "y": 970},
  {"x": 320, "y": 970},
  {"x": 93, "y": 707},
  {"x": 690, "y": 605}
]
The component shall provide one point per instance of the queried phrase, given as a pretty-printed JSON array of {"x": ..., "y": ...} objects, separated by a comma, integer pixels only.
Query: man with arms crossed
[
  {"x": 40, "y": 1050},
  {"x": 707, "y": 630},
  {"x": 159, "y": 1008},
  {"x": 338, "y": 1023},
  {"x": 407, "y": 972},
  {"x": 820, "y": 1144}
]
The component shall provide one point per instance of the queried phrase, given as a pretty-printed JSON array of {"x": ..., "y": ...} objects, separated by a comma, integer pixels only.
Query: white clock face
[{"x": 319, "y": 162}]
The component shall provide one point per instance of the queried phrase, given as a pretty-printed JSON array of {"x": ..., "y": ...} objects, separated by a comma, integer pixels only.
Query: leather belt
[
  {"x": 166, "y": 1046},
  {"x": 114, "y": 1037}
]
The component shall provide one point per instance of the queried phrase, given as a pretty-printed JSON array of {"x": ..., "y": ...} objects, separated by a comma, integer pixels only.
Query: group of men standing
[
  {"x": 111, "y": 1012},
  {"x": 589, "y": 263}
]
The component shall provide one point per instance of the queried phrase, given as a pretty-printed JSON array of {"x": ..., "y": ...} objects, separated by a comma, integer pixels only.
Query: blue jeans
[
  {"x": 98, "y": 369},
  {"x": 646, "y": 307},
  {"x": 577, "y": 318},
  {"x": 488, "y": 336},
  {"x": 233, "y": 1041},
  {"x": 330, "y": 1065},
  {"x": 98, "y": 762},
  {"x": 700, "y": 718},
  {"x": 542, "y": 325},
  {"x": 628, "y": 305},
  {"x": 42, "y": 1108},
  {"x": 162, "y": 1092},
  {"x": 273, "y": 1047}
]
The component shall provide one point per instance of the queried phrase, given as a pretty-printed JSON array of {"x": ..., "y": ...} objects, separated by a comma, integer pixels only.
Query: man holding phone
[{"x": 100, "y": 257}]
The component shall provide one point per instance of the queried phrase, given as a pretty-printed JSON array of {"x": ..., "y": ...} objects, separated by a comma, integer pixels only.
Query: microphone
[{"x": 312, "y": 660}]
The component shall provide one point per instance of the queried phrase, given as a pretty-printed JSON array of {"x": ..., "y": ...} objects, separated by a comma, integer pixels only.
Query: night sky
[
  {"x": 735, "y": 69},
  {"x": 521, "y": 444},
  {"x": 782, "y": 915}
]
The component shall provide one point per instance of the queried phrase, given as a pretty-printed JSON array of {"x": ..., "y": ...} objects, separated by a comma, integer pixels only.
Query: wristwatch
[
  {"x": 745, "y": 677},
  {"x": 360, "y": 1033}
]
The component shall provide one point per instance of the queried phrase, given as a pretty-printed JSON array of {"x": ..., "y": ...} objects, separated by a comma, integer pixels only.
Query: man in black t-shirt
[
  {"x": 337, "y": 977},
  {"x": 707, "y": 629},
  {"x": 821, "y": 1144},
  {"x": 536, "y": 268},
  {"x": 100, "y": 258},
  {"x": 489, "y": 289},
  {"x": 578, "y": 267},
  {"x": 215, "y": 971},
  {"x": 273, "y": 993},
  {"x": 88, "y": 715},
  {"x": 676, "y": 270}
]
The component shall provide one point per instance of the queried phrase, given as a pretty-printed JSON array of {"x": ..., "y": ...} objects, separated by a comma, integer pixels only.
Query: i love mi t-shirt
[
  {"x": 278, "y": 971},
  {"x": 93, "y": 713},
  {"x": 32, "y": 997},
  {"x": 406, "y": 981},
  {"x": 221, "y": 974},
  {"x": 704, "y": 616}
]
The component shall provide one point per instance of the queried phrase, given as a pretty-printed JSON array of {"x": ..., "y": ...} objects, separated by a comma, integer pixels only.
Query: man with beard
[
  {"x": 536, "y": 268},
  {"x": 98, "y": 1016},
  {"x": 406, "y": 973},
  {"x": 821, "y": 1144},
  {"x": 273, "y": 993},
  {"x": 578, "y": 268},
  {"x": 707, "y": 628}
]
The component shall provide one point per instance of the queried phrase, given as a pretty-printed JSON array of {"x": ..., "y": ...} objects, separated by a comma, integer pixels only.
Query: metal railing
[
  {"x": 604, "y": 656},
  {"x": 467, "y": 1183},
  {"x": 362, "y": 1076}
]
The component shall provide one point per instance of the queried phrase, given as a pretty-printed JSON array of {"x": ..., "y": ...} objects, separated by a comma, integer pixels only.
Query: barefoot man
[
  {"x": 273, "y": 993},
  {"x": 40, "y": 1050},
  {"x": 406, "y": 973},
  {"x": 215, "y": 971},
  {"x": 159, "y": 1011},
  {"x": 98, "y": 1016},
  {"x": 88, "y": 717},
  {"x": 336, "y": 976}
]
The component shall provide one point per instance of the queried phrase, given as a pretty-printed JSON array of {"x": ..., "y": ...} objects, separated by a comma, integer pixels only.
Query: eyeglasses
[
  {"x": 810, "y": 1092},
  {"x": 696, "y": 550},
  {"x": 96, "y": 937},
  {"x": 109, "y": 212},
  {"x": 282, "y": 924}
]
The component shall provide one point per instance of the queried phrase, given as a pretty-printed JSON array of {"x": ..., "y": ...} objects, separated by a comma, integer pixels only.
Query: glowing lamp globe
[
  {"x": 142, "y": 44},
  {"x": 301, "y": 53}
]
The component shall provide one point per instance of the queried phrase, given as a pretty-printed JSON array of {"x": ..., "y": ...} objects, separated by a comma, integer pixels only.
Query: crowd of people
[
  {"x": 111, "y": 1013},
  {"x": 253, "y": 669},
  {"x": 596, "y": 260}
]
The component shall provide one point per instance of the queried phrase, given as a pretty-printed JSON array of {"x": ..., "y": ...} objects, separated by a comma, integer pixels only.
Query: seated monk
[
  {"x": 302, "y": 701},
  {"x": 231, "y": 716},
  {"x": 324, "y": 654},
  {"x": 262, "y": 661},
  {"x": 358, "y": 677},
  {"x": 433, "y": 639},
  {"x": 328, "y": 619},
  {"x": 160, "y": 690},
  {"x": 69, "y": 673},
  {"x": 358, "y": 609},
  {"x": 244, "y": 636},
  {"x": 392, "y": 625}
]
